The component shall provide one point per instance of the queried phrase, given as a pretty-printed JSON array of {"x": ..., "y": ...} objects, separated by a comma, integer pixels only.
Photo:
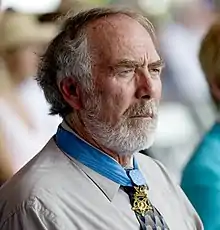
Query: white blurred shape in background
[
  {"x": 28, "y": 6},
  {"x": 154, "y": 7}
]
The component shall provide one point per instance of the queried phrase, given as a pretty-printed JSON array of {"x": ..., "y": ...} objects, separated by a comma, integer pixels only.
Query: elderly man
[{"x": 102, "y": 75}]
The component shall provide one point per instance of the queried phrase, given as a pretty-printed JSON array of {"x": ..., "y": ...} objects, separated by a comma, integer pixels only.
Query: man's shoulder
[
  {"x": 29, "y": 214},
  {"x": 41, "y": 177},
  {"x": 162, "y": 185}
]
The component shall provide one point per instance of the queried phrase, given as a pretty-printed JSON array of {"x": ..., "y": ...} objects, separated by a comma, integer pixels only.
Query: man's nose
[{"x": 148, "y": 86}]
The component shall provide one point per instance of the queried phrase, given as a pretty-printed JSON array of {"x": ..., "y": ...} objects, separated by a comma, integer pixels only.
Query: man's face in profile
[{"x": 121, "y": 112}]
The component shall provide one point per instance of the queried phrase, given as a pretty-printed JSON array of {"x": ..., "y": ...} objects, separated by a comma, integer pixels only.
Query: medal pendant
[{"x": 141, "y": 204}]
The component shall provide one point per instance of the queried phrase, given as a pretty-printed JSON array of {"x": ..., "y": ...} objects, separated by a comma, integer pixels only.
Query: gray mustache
[{"x": 150, "y": 108}]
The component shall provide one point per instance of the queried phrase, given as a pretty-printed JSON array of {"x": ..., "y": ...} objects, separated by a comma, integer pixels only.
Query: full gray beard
[
  {"x": 122, "y": 139},
  {"x": 127, "y": 137}
]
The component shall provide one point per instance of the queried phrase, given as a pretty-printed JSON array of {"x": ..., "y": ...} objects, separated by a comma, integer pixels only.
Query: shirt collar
[{"x": 108, "y": 187}]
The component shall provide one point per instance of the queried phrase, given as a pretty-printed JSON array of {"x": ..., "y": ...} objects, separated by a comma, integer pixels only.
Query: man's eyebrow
[
  {"x": 157, "y": 64},
  {"x": 127, "y": 63},
  {"x": 135, "y": 64}
]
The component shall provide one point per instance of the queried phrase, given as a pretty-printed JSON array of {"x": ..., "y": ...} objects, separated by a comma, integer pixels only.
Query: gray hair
[{"x": 67, "y": 55}]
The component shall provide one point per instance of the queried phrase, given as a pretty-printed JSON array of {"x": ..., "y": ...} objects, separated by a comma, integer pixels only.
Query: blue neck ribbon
[{"x": 96, "y": 160}]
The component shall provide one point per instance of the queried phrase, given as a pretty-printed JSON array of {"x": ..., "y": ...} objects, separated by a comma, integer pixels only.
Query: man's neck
[{"x": 76, "y": 124}]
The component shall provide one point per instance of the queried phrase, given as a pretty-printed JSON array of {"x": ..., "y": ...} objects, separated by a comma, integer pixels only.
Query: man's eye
[
  {"x": 126, "y": 72},
  {"x": 155, "y": 70}
]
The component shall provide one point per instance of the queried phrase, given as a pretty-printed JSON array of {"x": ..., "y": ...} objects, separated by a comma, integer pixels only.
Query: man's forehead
[
  {"x": 112, "y": 21},
  {"x": 117, "y": 37},
  {"x": 114, "y": 26}
]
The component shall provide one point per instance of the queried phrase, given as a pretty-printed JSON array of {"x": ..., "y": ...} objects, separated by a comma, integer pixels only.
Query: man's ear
[
  {"x": 215, "y": 88},
  {"x": 71, "y": 92}
]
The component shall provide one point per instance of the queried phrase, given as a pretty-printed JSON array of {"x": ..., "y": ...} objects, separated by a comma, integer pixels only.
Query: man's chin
[
  {"x": 136, "y": 147},
  {"x": 148, "y": 141}
]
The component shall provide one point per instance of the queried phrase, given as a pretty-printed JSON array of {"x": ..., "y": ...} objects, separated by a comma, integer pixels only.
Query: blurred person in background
[
  {"x": 201, "y": 176},
  {"x": 8, "y": 95},
  {"x": 102, "y": 75},
  {"x": 180, "y": 43},
  {"x": 6, "y": 169},
  {"x": 186, "y": 102},
  {"x": 24, "y": 120}
]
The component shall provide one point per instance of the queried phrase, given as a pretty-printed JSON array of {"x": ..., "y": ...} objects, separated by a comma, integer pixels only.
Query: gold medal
[{"x": 141, "y": 204}]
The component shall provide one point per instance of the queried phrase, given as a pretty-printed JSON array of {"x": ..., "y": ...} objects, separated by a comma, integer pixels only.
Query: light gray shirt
[{"x": 55, "y": 192}]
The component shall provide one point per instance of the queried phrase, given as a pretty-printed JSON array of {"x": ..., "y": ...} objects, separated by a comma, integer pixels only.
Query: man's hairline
[
  {"x": 122, "y": 12},
  {"x": 84, "y": 30}
]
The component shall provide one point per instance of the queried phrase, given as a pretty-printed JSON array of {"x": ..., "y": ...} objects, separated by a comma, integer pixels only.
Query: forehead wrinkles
[{"x": 116, "y": 35}]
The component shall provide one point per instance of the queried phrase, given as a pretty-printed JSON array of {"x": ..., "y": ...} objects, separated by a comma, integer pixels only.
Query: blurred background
[{"x": 186, "y": 111}]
